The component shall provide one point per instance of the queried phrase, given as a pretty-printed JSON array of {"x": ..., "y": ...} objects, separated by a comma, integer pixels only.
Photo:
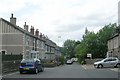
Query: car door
[
  {"x": 113, "y": 62},
  {"x": 106, "y": 63}
]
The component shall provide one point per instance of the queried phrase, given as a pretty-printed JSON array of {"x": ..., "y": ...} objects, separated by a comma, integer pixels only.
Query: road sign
[{"x": 89, "y": 55}]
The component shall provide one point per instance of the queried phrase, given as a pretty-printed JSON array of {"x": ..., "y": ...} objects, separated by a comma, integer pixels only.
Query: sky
[{"x": 61, "y": 19}]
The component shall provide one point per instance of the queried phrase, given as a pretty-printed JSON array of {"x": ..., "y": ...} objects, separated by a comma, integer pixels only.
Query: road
[{"x": 69, "y": 71}]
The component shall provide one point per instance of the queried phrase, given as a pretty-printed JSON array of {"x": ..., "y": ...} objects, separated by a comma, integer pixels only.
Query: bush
[
  {"x": 83, "y": 62},
  {"x": 61, "y": 59}
]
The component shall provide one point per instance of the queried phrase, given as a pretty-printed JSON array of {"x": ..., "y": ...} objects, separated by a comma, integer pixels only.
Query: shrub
[
  {"x": 83, "y": 62},
  {"x": 62, "y": 59}
]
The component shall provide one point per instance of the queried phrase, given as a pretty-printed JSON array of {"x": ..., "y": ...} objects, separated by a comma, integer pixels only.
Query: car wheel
[
  {"x": 21, "y": 72},
  {"x": 118, "y": 65},
  {"x": 36, "y": 71},
  {"x": 42, "y": 69},
  {"x": 100, "y": 66}
]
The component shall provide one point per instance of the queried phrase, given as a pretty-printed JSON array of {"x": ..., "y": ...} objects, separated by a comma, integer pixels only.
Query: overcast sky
[{"x": 65, "y": 18}]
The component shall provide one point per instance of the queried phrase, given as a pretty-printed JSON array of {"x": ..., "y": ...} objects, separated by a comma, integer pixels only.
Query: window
[
  {"x": 37, "y": 43},
  {"x": 33, "y": 55},
  {"x": 42, "y": 45},
  {"x": 33, "y": 43},
  {"x": 27, "y": 41},
  {"x": 114, "y": 59},
  {"x": 108, "y": 60},
  {"x": 46, "y": 48}
]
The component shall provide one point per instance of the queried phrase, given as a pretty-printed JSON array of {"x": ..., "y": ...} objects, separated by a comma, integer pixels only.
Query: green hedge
[
  {"x": 11, "y": 57},
  {"x": 62, "y": 59}
]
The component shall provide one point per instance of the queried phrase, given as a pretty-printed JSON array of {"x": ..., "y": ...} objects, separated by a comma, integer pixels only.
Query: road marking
[
  {"x": 115, "y": 69},
  {"x": 0, "y": 77},
  {"x": 88, "y": 66},
  {"x": 10, "y": 74}
]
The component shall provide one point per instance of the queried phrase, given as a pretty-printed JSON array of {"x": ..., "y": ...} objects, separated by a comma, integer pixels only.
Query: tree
[
  {"x": 96, "y": 44},
  {"x": 88, "y": 44},
  {"x": 69, "y": 46},
  {"x": 103, "y": 35}
]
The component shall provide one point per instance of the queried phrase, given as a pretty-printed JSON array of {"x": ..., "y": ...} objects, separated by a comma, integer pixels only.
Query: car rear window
[
  {"x": 27, "y": 61},
  {"x": 27, "y": 64}
]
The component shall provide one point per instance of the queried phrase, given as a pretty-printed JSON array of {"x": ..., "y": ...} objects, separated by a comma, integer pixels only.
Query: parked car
[
  {"x": 31, "y": 65},
  {"x": 74, "y": 59},
  {"x": 108, "y": 62},
  {"x": 69, "y": 61}
]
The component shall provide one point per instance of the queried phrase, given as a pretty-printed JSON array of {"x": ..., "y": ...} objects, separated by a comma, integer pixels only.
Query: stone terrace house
[
  {"x": 114, "y": 46},
  {"x": 114, "y": 41},
  {"x": 15, "y": 40}
]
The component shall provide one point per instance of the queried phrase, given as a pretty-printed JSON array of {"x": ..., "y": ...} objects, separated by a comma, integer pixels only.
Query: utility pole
[{"x": 58, "y": 40}]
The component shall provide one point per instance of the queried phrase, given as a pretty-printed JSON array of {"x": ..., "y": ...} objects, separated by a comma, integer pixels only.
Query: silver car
[
  {"x": 69, "y": 61},
  {"x": 108, "y": 62}
]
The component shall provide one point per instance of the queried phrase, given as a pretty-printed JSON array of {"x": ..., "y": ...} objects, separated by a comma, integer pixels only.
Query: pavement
[
  {"x": 91, "y": 66},
  {"x": 88, "y": 66}
]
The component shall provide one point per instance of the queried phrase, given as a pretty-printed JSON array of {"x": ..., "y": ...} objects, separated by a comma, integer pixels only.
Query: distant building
[
  {"x": 15, "y": 40},
  {"x": 114, "y": 41},
  {"x": 114, "y": 46}
]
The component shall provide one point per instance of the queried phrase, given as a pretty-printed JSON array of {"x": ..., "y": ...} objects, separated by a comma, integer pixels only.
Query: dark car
[{"x": 31, "y": 65}]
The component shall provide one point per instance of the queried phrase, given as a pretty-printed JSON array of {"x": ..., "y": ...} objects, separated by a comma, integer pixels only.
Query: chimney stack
[
  {"x": 26, "y": 27},
  {"x": 40, "y": 35},
  {"x": 12, "y": 19},
  {"x": 32, "y": 30},
  {"x": 37, "y": 32}
]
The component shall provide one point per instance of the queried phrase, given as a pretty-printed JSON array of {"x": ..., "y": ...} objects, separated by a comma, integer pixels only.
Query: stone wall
[
  {"x": 91, "y": 61},
  {"x": 10, "y": 66}
]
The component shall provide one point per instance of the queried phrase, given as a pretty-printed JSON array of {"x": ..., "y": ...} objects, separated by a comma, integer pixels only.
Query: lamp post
[{"x": 58, "y": 40}]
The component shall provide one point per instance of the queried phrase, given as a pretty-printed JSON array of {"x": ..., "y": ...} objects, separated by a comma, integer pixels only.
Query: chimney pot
[
  {"x": 12, "y": 15},
  {"x": 40, "y": 35},
  {"x": 26, "y": 27},
  {"x": 37, "y": 32},
  {"x": 25, "y": 23},
  {"x": 32, "y": 30},
  {"x": 13, "y": 19}
]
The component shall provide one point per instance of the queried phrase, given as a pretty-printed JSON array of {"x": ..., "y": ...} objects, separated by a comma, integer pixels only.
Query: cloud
[{"x": 66, "y": 18}]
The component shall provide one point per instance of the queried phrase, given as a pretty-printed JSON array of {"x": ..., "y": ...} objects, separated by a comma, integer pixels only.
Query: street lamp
[{"x": 58, "y": 40}]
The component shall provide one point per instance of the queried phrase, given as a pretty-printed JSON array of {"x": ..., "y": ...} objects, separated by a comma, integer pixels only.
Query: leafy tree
[
  {"x": 96, "y": 44},
  {"x": 88, "y": 44},
  {"x": 69, "y": 46},
  {"x": 103, "y": 35}
]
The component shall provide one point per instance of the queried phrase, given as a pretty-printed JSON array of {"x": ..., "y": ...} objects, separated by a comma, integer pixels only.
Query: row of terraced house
[{"x": 16, "y": 40}]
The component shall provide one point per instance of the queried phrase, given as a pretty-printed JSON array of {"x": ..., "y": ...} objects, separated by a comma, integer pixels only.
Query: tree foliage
[
  {"x": 96, "y": 44},
  {"x": 69, "y": 46}
]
